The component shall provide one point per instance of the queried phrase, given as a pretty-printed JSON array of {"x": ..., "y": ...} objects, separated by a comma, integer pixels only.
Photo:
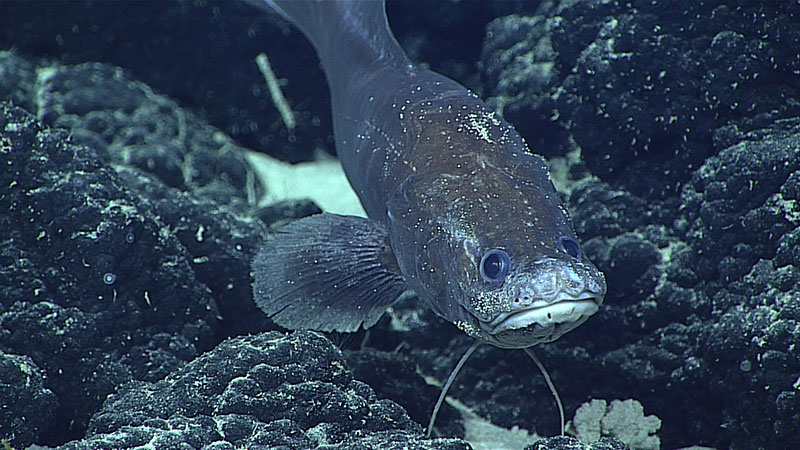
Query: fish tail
[{"x": 349, "y": 36}]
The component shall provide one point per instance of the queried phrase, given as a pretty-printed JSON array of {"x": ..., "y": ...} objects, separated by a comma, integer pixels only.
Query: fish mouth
[
  {"x": 540, "y": 322},
  {"x": 544, "y": 314}
]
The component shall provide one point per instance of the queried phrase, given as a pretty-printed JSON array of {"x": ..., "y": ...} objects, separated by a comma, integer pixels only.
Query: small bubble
[
  {"x": 745, "y": 366},
  {"x": 109, "y": 278},
  {"x": 130, "y": 237}
]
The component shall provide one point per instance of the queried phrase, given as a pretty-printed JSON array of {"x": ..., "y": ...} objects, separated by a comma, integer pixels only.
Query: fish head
[
  {"x": 517, "y": 301},
  {"x": 494, "y": 252}
]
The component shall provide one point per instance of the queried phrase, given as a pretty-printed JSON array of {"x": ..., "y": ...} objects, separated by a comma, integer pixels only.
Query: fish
[{"x": 460, "y": 212}]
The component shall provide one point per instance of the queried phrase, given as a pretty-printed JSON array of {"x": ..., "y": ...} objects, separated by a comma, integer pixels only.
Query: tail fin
[{"x": 348, "y": 35}]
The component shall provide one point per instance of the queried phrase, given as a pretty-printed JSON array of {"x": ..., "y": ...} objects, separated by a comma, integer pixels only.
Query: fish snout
[{"x": 558, "y": 281}]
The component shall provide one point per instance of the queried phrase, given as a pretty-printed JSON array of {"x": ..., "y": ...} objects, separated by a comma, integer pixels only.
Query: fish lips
[{"x": 539, "y": 322}]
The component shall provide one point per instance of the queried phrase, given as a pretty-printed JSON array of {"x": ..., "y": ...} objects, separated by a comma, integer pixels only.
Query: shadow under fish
[{"x": 460, "y": 210}]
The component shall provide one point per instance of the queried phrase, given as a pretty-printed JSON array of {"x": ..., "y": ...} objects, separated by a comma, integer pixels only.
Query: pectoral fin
[{"x": 327, "y": 272}]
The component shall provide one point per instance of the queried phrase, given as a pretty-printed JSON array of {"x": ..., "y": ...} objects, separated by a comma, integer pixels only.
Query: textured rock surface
[
  {"x": 687, "y": 118},
  {"x": 28, "y": 406},
  {"x": 672, "y": 128},
  {"x": 642, "y": 88},
  {"x": 265, "y": 390},
  {"x": 567, "y": 443},
  {"x": 108, "y": 275}
]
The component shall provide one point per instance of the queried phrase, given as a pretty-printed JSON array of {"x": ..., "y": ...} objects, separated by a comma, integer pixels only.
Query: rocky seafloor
[{"x": 130, "y": 215}]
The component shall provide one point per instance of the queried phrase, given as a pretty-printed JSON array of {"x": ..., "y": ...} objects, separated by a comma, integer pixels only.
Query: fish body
[{"x": 460, "y": 210}]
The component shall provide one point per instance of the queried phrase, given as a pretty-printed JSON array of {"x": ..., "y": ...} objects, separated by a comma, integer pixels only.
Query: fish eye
[
  {"x": 495, "y": 265},
  {"x": 570, "y": 246}
]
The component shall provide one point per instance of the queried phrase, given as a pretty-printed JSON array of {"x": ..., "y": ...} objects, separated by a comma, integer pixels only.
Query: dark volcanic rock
[
  {"x": 28, "y": 406},
  {"x": 269, "y": 390},
  {"x": 734, "y": 205},
  {"x": 126, "y": 123},
  {"x": 672, "y": 128},
  {"x": 642, "y": 87},
  {"x": 94, "y": 281},
  {"x": 105, "y": 278},
  {"x": 568, "y": 443},
  {"x": 184, "y": 48},
  {"x": 687, "y": 115}
]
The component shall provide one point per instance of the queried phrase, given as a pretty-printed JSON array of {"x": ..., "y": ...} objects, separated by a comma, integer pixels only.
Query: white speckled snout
[{"x": 554, "y": 281}]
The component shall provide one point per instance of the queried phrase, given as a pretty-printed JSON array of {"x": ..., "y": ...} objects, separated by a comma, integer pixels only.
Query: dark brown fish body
[{"x": 454, "y": 195}]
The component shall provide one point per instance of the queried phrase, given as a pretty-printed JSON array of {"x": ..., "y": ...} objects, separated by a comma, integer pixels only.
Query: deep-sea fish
[{"x": 460, "y": 210}]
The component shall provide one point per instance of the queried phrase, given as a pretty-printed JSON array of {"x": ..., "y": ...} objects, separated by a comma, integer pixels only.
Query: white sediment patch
[{"x": 322, "y": 181}]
